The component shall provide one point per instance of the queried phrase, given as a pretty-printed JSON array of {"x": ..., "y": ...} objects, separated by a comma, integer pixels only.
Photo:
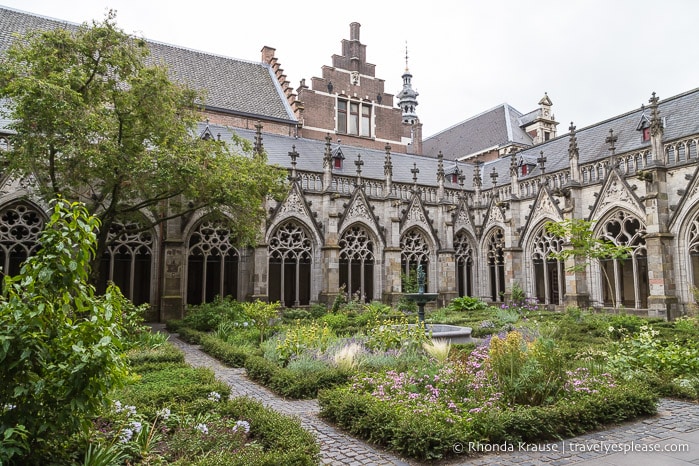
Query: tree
[
  {"x": 61, "y": 346},
  {"x": 98, "y": 125},
  {"x": 585, "y": 247}
]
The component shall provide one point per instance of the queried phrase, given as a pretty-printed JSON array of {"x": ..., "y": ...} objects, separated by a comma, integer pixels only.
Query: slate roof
[
  {"x": 679, "y": 114},
  {"x": 311, "y": 158},
  {"x": 492, "y": 129},
  {"x": 232, "y": 85},
  {"x": 591, "y": 145}
]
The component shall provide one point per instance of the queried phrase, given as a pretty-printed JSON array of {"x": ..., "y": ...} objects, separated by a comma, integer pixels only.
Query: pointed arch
[
  {"x": 415, "y": 251},
  {"x": 548, "y": 273},
  {"x": 464, "y": 257},
  {"x": 212, "y": 263},
  {"x": 21, "y": 224},
  {"x": 357, "y": 260},
  {"x": 624, "y": 281},
  {"x": 290, "y": 261},
  {"x": 128, "y": 261},
  {"x": 494, "y": 250}
]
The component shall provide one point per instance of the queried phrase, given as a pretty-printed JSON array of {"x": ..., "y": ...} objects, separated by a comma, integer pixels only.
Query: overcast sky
[{"x": 595, "y": 58}]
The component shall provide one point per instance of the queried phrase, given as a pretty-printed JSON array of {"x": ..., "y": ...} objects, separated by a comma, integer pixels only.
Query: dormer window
[
  {"x": 644, "y": 128},
  {"x": 454, "y": 178},
  {"x": 338, "y": 159}
]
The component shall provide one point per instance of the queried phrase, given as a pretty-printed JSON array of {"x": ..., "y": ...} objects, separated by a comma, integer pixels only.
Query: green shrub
[
  {"x": 227, "y": 353},
  {"x": 157, "y": 389},
  {"x": 428, "y": 436},
  {"x": 190, "y": 335},
  {"x": 164, "y": 353},
  {"x": 467, "y": 304},
  {"x": 61, "y": 346},
  {"x": 278, "y": 434},
  {"x": 206, "y": 317}
]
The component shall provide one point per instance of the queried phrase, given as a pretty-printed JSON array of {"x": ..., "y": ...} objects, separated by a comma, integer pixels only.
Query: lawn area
[{"x": 532, "y": 376}]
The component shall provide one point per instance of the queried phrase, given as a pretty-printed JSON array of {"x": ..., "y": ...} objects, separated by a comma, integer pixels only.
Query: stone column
[{"x": 330, "y": 267}]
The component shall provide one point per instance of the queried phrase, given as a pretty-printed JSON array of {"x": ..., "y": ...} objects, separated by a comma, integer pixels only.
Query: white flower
[
  {"x": 202, "y": 428},
  {"x": 245, "y": 425},
  {"x": 214, "y": 396},
  {"x": 126, "y": 435},
  {"x": 136, "y": 426},
  {"x": 610, "y": 329},
  {"x": 164, "y": 413},
  {"x": 117, "y": 406}
]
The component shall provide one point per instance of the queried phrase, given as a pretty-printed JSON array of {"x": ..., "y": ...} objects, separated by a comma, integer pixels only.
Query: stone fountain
[{"x": 453, "y": 333}]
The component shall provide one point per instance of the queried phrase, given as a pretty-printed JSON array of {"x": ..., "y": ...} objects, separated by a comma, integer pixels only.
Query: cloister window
[
  {"x": 495, "y": 255},
  {"x": 625, "y": 281},
  {"x": 549, "y": 274},
  {"x": 290, "y": 253},
  {"x": 354, "y": 117},
  {"x": 357, "y": 263},
  {"x": 212, "y": 264},
  {"x": 464, "y": 264},
  {"x": 128, "y": 261},
  {"x": 20, "y": 228},
  {"x": 414, "y": 251},
  {"x": 693, "y": 246}
]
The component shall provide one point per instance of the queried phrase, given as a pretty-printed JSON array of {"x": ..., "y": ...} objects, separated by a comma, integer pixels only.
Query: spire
[
  {"x": 258, "y": 147},
  {"x": 573, "y": 155},
  {"x": 327, "y": 163},
  {"x": 407, "y": 98},
  {"x": 388, "y": 170}
]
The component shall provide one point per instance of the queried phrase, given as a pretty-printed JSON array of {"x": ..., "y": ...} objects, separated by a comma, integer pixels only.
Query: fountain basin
[{"x": 453, "y": 333}]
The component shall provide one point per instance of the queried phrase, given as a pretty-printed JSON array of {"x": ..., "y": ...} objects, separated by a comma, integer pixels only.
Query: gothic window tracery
[
  {"x": 20, "y": 228},
  {"x": 290, "y": 257},
  {"x": 127, "y": 261},
  {"x": 625, "y": 281},
  {"x": 693, "y": 249},
  {"x": 549, "y": 274},
  {"x": 464, "y": 264},
  {"x": 212, "y": 264},
  {"x": 357, "y": 262},
  {"x": 495, "y": 258},
  {"x": 414, "y": 251}
]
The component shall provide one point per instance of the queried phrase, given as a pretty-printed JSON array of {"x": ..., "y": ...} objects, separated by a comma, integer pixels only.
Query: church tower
[{"x": 407, "y": 98}]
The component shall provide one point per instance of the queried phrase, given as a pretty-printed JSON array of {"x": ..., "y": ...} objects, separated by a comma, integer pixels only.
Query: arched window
[
  {"x": 357, "y": 263},
  {"x": 212, "y": 264},
  {"x": 127, "y": 262},
  {"x": 20, "y": 228},
  {"x": 290, "y": 254},
  {"x": 549, "y": 274},
  {"x": 464, "y": 264},
  {"x": 693, "y": 247},
  {"x": 4, "y": 143},
  {"x": 414, "y": 251},
  {"x": 495, "y": 246},
  {"x": 625, "y": 281}
]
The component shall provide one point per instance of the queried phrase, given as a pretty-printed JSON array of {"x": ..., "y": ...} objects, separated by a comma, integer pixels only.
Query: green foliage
[
  {"x": 584, "y": 246},
  {"x": 386, "y": 334},
  {"x": 172, "y": 384},
  {"x": 88, "y": 98},
  {"x": 207, "y": 316},
  {"x": 297, "y": 339},
  {"x": 261, "y": 314},
  {"x": 643, "y": 355},
  {"x": 60, "y": 345},
  {"x": 466, "y": 304}
]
